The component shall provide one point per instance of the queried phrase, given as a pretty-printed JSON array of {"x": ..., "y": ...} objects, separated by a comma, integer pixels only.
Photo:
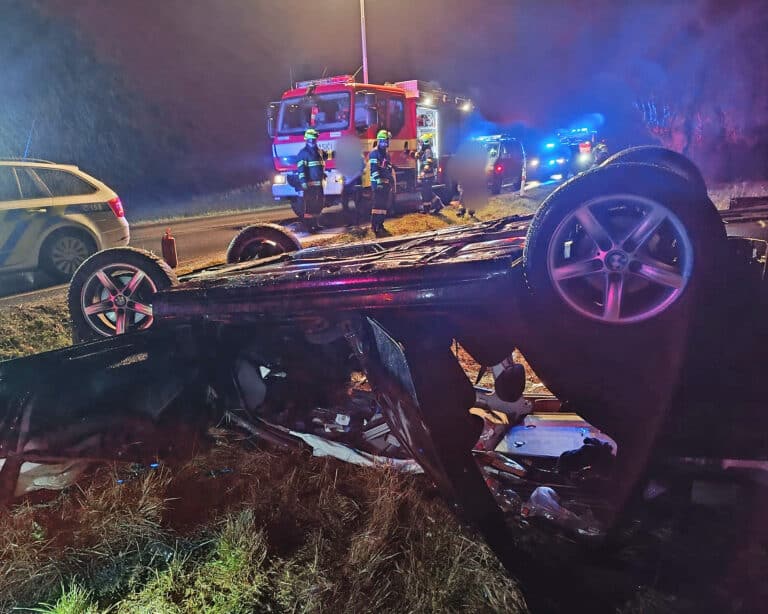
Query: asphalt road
[
  {"x": 205, "y": 237},
  {"x": 196, "y": 238}
]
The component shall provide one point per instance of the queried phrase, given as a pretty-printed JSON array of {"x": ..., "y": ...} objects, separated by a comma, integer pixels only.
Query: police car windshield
[{"x": 320, "y": 111}]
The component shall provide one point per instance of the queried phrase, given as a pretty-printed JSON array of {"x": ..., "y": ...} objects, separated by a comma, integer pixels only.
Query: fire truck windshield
[{"x": 320, "y": 111}]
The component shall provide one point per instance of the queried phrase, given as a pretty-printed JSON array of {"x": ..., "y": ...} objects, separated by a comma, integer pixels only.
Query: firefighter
[
  {"x": 381, "y": 181},
  {"x": 600, "y": 152},
  {"x": 430, "y": 202},
  {"x": 311, "y": 165}
]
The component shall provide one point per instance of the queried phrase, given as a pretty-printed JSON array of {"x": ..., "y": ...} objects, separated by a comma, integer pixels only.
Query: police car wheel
[
  {"x": 660, "y": 156},
  {"x": 111, "y": 293},
  {"x": 63, "y": 252},
  {"x": 261, "y": 241}
]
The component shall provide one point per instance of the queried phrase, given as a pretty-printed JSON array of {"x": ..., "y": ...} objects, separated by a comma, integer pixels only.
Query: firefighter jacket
[
  {"x": 381, "y": 168},
  {"x": 311, "y": 166},
  {"x": 426, "y": 163}
]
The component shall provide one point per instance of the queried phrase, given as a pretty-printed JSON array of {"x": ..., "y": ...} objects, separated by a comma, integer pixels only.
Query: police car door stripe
[{"x": 13, "y": 239}]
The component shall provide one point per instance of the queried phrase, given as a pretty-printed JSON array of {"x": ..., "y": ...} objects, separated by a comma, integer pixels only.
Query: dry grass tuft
[{"x": 241, "y": 531}]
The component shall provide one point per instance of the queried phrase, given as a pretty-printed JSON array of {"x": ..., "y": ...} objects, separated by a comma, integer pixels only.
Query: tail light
[
  {"x": 499, "y": 168},
  {"x": 117, "y": 206}
]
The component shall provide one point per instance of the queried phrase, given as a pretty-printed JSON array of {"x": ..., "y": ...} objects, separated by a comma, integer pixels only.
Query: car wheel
[
  {"x": 64, "y": 251},
  {"x": 261, "y": 241},
  {"x": 660, "y": 156},
  {"x": 496, "y": 187},
  {"x": 621, "y": 244},
  {"x": 111, "y": 292},
  {"x": 624, "y": 266}
]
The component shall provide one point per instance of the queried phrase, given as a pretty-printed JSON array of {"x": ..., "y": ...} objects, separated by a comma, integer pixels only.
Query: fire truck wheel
[
  {"x": 111, "y": 292},
  {"x": 659, "y": 156},
  {"x": 261, "y": 241},
  {"x": 622, "y": 244}
]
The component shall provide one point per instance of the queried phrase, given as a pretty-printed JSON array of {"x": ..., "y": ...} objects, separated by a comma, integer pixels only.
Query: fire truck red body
[{"x": 339, "y": 108}]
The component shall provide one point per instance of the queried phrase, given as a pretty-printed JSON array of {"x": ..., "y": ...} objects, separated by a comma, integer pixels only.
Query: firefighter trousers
[
  {"x": 430, "y": 200},
  {"x": 314, "y": 199},
  {"x": 381, "y": 197}
]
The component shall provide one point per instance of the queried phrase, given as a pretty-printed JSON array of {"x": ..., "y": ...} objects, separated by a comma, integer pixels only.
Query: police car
[{"x": 53, "y": 216}]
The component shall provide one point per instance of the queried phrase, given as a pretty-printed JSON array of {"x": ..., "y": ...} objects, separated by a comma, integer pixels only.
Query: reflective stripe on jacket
[
  {"x": 311, "y": 165},
  {"x": 381, "y": 168}
]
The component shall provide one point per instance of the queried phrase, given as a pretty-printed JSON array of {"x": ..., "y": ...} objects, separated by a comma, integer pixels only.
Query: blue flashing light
[
  {"x": 551, "y": 162},
  {"x": 550, "y": 145}
]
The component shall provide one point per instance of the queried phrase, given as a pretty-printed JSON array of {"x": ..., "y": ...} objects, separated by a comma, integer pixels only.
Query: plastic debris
[
  {"x": 544, "y": 502},
  {"x": 324, "y": 447},
  {"x": 506, "y": 498}
]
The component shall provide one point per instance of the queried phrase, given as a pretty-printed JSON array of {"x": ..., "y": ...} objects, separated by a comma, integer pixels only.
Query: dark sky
[{"x": 212, "y": 65}]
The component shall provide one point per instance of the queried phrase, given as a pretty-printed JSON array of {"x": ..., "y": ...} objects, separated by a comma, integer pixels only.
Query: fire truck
[{"x": 342, "y": 110}]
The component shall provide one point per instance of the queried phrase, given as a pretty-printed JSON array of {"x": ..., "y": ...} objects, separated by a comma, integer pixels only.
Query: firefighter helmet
[
  {"x": 383, "y": 135},
  {"x": 311, "y": 134},
  {"x": 426, "y": 140}
]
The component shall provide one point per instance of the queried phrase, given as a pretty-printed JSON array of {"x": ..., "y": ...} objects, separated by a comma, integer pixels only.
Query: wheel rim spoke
[
  {"x": 614, "y": 288},
  {"x": 660, "y": 273},
  {"x": 594, "y": 228},
  {"x": 581, "y": 268},
  {"x": 106, "y": 282},
  {"x": 121, "y": 323},
  {"x": 143, "y": 309},
  {"x": 137, "y": 278},
  {"x": 98, "y": 308},
  {"x": 645, "y": 229}
]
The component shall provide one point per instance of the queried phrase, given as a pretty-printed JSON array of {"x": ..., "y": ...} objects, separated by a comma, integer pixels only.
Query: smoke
[{"x": 534, "y": 66}]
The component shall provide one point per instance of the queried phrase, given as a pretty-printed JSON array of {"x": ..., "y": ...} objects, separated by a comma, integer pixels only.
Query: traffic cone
[{"x": 168, "y": 244}]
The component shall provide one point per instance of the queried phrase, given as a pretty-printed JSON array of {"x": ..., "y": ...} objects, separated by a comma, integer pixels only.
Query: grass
[
  {"x": 276, "y": 533},
  {"x": 240, "y": 200},
  {"x": 33, "y": 328}
]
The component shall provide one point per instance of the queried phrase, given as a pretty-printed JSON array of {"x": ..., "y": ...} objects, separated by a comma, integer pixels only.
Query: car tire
[
  {"x": 496, "y": 187},
  {"x": 64, "y": 251},
  {"x": 111, "y": 292},
  {"x": 261, "y": 241},
  {"x": 660, "y": 156},
  {"x": 602, "y": 308},
  {"x": 619, "y": 365},
  {"x": 640, "y": 190}
]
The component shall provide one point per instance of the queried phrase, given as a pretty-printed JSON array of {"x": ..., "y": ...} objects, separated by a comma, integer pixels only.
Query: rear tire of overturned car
[
  {"x": 111, "y": 293},
  {"x": 261, "y": 241},
  {"x": 660, "y": 156},
  {"x": 621, "y": 245},
  {"x": 622, "y": 263}
]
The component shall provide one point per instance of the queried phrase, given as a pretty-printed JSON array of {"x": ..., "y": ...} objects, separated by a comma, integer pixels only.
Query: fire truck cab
[{"x": 339, "y": 108}]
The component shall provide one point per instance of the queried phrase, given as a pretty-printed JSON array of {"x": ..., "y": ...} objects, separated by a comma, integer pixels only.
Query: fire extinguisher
[{"x": 169, "y": 249}]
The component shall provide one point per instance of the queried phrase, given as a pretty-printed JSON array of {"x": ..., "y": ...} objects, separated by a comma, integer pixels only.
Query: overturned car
[{"x": 623, "y": 293}]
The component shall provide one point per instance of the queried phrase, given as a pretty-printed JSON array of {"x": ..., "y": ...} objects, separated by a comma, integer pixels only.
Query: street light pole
[{"x": 365, "y": 51}]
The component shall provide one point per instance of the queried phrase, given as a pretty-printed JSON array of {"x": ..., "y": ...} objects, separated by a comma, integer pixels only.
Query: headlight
[
  {"x": 561, "y": 160},
  {"x": 280, "y": 179},
  {"x": 585, "y": 158},
  {"x": 533, "y": 162}
]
